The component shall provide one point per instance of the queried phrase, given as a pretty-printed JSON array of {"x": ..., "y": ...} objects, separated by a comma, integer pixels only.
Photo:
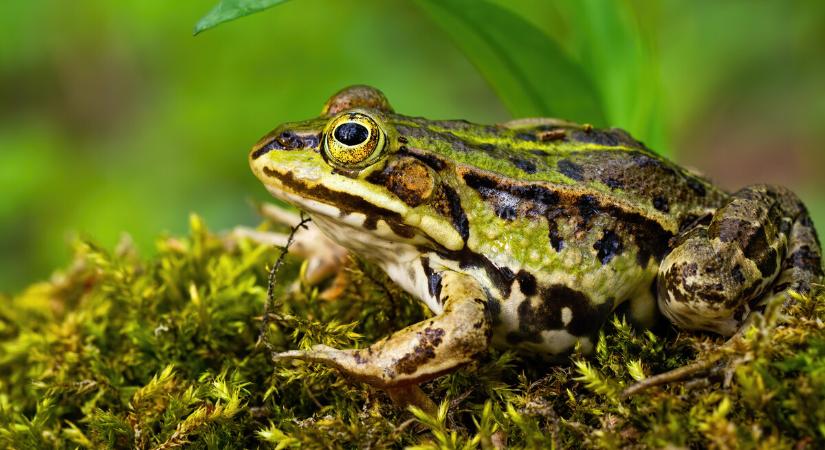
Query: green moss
[{"x": 118, "y": 351}]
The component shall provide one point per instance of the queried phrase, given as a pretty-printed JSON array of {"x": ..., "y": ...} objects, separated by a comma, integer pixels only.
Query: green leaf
[
  {"x": 613, "y": 48},
  {"x": 526, "y": 68},
  {"x": 227, "y": 10}
]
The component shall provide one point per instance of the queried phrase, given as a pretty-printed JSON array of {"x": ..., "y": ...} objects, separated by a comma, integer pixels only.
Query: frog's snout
[{"x": 284, "y": 139}]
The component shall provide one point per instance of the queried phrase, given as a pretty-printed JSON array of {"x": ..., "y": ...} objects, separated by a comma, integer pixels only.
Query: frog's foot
[
  {"x": 421, "y": 351},
  {"x": 324, "y": 257},
  {"x": 760, "y": 243}
]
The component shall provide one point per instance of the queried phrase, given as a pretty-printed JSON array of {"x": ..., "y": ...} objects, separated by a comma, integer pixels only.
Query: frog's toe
[{"x": 318, "y": 353}]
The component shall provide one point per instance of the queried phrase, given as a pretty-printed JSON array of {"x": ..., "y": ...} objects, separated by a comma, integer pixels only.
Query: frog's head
[{"x": 350, "y": 168}]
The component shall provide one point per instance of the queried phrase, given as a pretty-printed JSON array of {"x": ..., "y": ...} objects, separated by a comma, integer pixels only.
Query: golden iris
[{"x": 353, "y": 140}]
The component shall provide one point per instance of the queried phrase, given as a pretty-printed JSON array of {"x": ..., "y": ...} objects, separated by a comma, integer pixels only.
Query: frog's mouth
[{"x": 341, "y": 205}]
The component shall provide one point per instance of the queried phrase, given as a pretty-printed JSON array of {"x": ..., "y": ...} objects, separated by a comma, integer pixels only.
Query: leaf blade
[
  {"x": 612, "y": 43},
  {"x": 527, "y": 69},
  {"x": 227, "y": 10}
]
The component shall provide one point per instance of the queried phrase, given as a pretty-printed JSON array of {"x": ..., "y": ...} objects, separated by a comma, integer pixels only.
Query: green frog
[{"x": 527, "y": 234}]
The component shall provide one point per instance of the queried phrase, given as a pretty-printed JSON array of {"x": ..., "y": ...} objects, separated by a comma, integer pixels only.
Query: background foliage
[{"x": 114, "y": 118}]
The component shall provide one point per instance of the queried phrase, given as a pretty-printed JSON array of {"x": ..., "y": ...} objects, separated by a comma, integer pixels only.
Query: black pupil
[{"x": 351, "y": 133}]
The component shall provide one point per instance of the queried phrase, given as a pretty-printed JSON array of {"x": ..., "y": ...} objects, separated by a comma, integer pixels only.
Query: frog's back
[{"x": 564, "y": 156}]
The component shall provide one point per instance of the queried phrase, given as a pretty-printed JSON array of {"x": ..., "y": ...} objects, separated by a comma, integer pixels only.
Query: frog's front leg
[
  {"x": 421, "y": 351},
  {"x": 760, "y": 242}
]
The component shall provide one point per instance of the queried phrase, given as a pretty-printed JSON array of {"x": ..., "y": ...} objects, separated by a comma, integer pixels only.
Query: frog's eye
[{"x": 353, "y": 140}]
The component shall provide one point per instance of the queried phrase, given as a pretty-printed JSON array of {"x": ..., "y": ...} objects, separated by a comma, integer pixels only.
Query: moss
[{"x": 120, "y": 351}]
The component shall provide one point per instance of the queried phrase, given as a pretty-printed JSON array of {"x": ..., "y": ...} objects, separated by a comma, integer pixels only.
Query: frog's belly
[{"x": 564, "y": 308}]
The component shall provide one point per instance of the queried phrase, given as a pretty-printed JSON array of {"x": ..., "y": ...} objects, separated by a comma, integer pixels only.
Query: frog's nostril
[{"x": 290, "y": 140}]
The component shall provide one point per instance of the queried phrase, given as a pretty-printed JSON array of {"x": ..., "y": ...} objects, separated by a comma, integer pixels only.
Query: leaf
[
  {"x": 612, "y": 47},
  {"x": 527, "y": 69},
  {"x": 227, "y": 10}
]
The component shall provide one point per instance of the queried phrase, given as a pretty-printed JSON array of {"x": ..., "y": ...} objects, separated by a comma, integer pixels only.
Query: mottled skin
[{"x": 527, "y": 234}]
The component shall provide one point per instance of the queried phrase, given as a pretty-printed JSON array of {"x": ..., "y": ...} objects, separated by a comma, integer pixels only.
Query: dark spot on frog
[
  {"x": 493, "y": 308},
  {"x": 526, "y": 137},
  {"x": 660, "y": 203},
  {"x": 767, "y": 262},
  {"x": 688, "y": 270},
  {"x": 490, "y": 189},
  {"x": 358, "y": 359},
  {"x": 588, "y": 207},
  {"x": 696, "y": 186},
  {"x": 457, "y": 214},
  {"x": 692, "y": 221},
  {"x": 612, "y": 183},
  {"x": 527, "y": 283},
  {"x": 752, "y": 239},
  {"x": 556, "y": 240},
  {"x": 427, "y": 158},
  {"x": 488, "y": 318},
  {"x": 428, "y": 340},
  {"x": 402, "y": 139},
  {"x": 570, "y": 169},
  {"x": 737, "y": 275},
  {"x": 501, "y": 277},
  {"x": 537, "y": 194},
  {"x": 506, "y": 210},
  {"x": 644, "y": 161},
  {"x": 608, "y": 246},
  {"x": 487, "y": 147},
  {"x": 523, "y": 164},
  {"x": 261, "y": 151},
  {"x": 740, "y": 312},
  {"x": 785, "y": 225},
  {"x": 806, "y": 259},
  {"x": 507, "y": 274},
  {"x": 585, "y": 317},
  {"x": 433, "y": 279},
  {"x": 612, "y": 137}
]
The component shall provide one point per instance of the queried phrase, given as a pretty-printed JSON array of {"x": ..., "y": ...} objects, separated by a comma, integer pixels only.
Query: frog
[{"x": 527, "y": 235}]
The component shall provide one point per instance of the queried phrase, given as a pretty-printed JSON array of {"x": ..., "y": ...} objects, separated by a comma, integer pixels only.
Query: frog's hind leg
[{"x": 760, "y": 242}]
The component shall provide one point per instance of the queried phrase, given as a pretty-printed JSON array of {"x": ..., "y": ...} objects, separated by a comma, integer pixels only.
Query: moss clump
[{"x": 123, "y": 352}]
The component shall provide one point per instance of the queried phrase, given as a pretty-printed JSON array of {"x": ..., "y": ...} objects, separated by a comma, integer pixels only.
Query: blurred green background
[{"x": 114, "y": 118}]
